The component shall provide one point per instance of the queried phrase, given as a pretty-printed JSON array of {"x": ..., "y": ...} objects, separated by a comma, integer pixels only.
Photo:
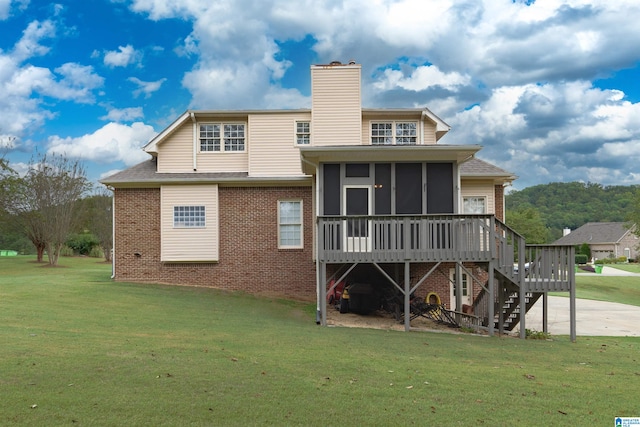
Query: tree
[
  {"x": 634, "y": 214},
  {"x": 528, "y": 222},
  {"x": 100, "y": 220},
  {"x": 45, "y": 199}
]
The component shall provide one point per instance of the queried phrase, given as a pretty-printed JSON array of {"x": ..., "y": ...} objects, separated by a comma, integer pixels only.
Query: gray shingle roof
[
  {"x": 145, "y": 173},
  {"x": 595, "y": 232},
  {"x": 479, "y": 168}
]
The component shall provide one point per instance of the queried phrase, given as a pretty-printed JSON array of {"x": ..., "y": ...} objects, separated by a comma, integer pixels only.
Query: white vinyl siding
[
  {"x": 479, "y": 189},
  {"x": 175, "y": 153},
  {"x": 273, "y": 149},
  {"x": 429, "y": 133},
  {"x": 195, "y": 240},
  {"x": 336, "y": 105},
  {"x": 290, "y": 224}
]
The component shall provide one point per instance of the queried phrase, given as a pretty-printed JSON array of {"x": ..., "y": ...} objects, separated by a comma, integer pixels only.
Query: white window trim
[
  {"x": 296, "y": 133},
  {"x": 183, "y": 224},
  {"x": 394, "y": 124},
  {"x": 301, "y": 224},
  {"x": 222, "y": 144}
]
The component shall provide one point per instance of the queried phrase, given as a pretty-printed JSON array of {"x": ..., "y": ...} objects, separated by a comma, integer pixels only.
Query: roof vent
[
  {"x": 335, "y": 63},
  {"x": 352, "y": 62}
]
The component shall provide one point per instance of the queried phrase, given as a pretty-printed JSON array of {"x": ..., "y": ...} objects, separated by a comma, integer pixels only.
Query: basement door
[
  {"x": 357, "y": 231},
  {"x": 466, "y": 289}
]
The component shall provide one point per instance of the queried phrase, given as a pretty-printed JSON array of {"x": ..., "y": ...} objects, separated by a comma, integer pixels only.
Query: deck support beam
[
  {"x": 572, "y": 301},
  {"x": 492, "y": 299},
  {"x": 545, "y": 313},
  {"x": 407, "y": 296}
]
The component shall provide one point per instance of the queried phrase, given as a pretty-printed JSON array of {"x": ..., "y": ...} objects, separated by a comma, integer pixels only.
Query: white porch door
[
  {"x": 357, "y": 231},
  {"x": 466, "y": 289}
]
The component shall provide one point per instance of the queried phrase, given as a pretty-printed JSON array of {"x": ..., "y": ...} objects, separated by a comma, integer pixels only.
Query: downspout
[
  {"x": 195, "y": 138},
  {"x": 113, "y": 233},
  {"x": 319, "y": 312}
]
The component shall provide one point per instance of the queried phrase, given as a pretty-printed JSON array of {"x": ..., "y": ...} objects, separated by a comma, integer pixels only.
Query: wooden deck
[{"x": 479, "y": 239}]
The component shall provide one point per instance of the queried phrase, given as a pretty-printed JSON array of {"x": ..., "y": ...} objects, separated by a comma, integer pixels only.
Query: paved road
[{"x": 593, "y": 318}]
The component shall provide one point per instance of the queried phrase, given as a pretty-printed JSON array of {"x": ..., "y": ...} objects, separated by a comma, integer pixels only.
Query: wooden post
[{"x": 407, "y": 296}]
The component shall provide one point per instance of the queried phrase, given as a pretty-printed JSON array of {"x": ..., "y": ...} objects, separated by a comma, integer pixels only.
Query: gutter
[{"x": 113, "y": 232}]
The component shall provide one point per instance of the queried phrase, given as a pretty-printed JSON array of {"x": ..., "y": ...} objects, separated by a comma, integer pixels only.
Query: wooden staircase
[
  {"x": 510, "y": 309},
  {"x": 522, "y": 271}
]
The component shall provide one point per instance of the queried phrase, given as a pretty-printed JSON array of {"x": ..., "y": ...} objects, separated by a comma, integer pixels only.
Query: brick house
[
  {"x": 290, "y": 202},
  {"x": 606, "y": 239}
]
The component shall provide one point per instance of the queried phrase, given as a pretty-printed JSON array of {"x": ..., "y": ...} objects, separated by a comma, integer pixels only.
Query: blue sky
[{"x": 549, "y": 88}]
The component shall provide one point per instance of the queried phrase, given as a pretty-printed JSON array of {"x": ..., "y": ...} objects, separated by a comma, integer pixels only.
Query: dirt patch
[{"x": 382, "y": 320}]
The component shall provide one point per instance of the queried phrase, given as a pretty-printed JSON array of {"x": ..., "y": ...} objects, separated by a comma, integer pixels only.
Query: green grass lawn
[
  {"x": 77, "y": 348},
  {"x": 633, "y": 268}
]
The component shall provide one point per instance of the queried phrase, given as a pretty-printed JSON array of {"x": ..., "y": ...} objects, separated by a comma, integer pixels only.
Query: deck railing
[{"x": 419, "y": 238}]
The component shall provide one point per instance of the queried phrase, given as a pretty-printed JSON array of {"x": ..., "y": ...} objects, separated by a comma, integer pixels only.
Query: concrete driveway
[{"x": 593, "y": 318}]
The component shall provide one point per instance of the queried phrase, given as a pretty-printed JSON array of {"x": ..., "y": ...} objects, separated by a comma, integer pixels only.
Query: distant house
[
  {"x": 295, "y": 202},
  {"x": 606, "y": 239}
]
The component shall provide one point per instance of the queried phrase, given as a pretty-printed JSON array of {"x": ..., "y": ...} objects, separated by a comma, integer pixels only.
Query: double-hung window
[
  {"x": 303, "y": 133},
  {"x": 222, "y": 137},
  {"x": 381, "y": 133},
  {"x": 474, "y": 205},
  {"x": 290, "y": 224},
  {"x": 209, "y": 137},
  {"x": 394, "y": 133},
  {"x": 188, "y": 216}
]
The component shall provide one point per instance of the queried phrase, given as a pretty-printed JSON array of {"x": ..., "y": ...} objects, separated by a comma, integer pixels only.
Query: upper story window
[
  {"x": 188, "y": 216},
  {"x": 303, "y": 133},
  {"x": 394, "y": 133},
  {"x": 222, "y": 137}
]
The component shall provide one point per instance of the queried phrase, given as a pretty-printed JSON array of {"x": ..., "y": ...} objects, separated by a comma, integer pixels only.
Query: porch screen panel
[
  {"x": 440, "y": 188},
  {"x": 356, "y": 170},
  {"x": 408, "y": 188},
  {"x": 382, "y": 188},
  {"x": 331, "y": 190}
]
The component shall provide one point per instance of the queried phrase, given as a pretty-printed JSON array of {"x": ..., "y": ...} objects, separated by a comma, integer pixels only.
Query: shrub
[
  {"x": 66, "y": 251},
  {"x": 82, "y": 244},
  {"x": 581, "y": 259},
  {"x": 96, "y": 252},
  {"x": 621, "y": 259},
  {"x": 532, "y": 334}
]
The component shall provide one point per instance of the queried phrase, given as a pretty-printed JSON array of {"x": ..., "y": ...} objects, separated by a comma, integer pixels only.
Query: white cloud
[
  {"x": 123, "y": 114},
  {"x": 146, "y": 88},
  {"x": 77, "y": 83},
  {"x": 111, "y": 143},
  {"x": 29, "y": 45},
  {"x": 421, "y": 78},
  {"x": 4, "y": 9},
  {"x": 125, "y": 55}
]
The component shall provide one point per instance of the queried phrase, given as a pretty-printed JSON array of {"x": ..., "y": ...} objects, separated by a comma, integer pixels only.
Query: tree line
[
  {"x": 542, "y": 211},
  {"x": 50, "y": 204}
]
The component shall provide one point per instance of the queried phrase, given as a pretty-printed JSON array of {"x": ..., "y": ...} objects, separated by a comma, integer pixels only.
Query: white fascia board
[{"x": 152, "y": 146}]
